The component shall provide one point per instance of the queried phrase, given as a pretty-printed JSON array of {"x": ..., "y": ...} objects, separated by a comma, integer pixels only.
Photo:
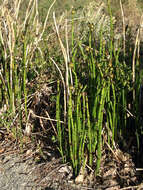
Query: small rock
[
  {"x": 28, "y": 152},
  {"x": 79, "y": 179}
]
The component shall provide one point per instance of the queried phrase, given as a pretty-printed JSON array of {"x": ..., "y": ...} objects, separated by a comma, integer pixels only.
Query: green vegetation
[{"x": 91, "y": 70}]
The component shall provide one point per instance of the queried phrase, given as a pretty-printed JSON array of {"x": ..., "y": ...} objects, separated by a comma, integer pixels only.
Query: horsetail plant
[
  {"x": 25, "y": 73},
  {"x": 59, "y": 125},
  {"x": 100, "y": 125}
]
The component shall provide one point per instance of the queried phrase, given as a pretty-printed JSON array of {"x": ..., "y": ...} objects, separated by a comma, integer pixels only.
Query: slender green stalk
[
  {"x": 114, "y": 133},
  {"x": 59, "y": 125},
  {"x": 11, "y": 86},
  {"x": 100, "y": 124},
  {"x": 25, "y": 74},
  {"x": 89, "y": 133},
  {"x": 70, "y": 125},
  {"x": 82, "y": 133}
]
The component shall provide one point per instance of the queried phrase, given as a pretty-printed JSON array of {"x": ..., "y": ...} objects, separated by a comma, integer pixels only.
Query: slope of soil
[{"x": 23, "y": 171}]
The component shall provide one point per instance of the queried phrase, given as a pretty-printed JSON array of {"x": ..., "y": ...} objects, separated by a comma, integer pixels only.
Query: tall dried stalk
[
  {"x": 124, "y": 32},
  {"x": 66, "y": 92},
  {"x": 17, "y": 7},
  {"x": 45, "y": 22},
  {"x": 28, "y": 13},
  {"x": 64, "y": 86},
  {"x": 137, "y": 46}
]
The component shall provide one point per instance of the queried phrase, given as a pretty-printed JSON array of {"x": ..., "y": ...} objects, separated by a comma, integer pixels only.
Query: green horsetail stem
[
  {"x": 80, "y": 121},
  {"x": 70, "y": 126},
  {"x": 89, "y": 133},
  {"x": 25, "y": 73},
  {"x": 82, "y": 133},
  {"x": 114, "y": 123},
  {"x": 6, "y": 72},
  {"x": 11, "y": 84},
  {"x": 59, "y": 125},
  {"x": 100, "y": 125},
  {"x": 3, "y": 84}
]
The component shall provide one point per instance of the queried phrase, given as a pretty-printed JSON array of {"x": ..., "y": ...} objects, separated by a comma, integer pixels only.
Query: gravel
[{"x": 16, "y": 174}]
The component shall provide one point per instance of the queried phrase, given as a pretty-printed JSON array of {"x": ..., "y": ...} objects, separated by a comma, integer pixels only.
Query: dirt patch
[{"x": 22, "y": 171}]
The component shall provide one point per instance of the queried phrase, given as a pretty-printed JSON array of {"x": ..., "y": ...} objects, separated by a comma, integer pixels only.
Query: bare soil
[{"x": 25, "y": 170}]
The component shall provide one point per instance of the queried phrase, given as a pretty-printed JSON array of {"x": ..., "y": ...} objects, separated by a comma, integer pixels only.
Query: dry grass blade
[
  {"x": 123, "y": 20},
  {"x": 137, "y": 43},
  {"x": 45, "y": 23},
  {"x": 51, "y": 122},
  {"x": 63, "y": 51},
  {"x": 28, "y": 13},
  {"x": 131, "y": 187},
  {"x": 64, "y": 86},
  {"x": 60, "y": 41},
  {"x": 114, "y": 153},
  {"x": 68, "y": 57},
  {"x": 17, "y": 7},
  {"x": 34, "y": 115}
]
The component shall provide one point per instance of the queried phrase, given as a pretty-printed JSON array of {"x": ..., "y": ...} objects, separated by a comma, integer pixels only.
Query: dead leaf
[{"x": 2, "y": 150}]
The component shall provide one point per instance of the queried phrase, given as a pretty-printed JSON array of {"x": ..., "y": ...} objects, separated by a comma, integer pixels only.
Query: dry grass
[{"x": 132, "y": 13}]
